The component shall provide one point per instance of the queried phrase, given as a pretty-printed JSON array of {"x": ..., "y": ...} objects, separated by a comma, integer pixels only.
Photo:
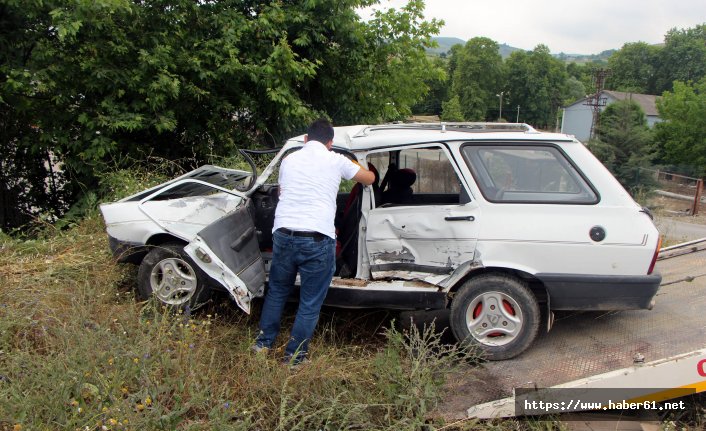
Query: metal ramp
[{"x": 586, "y": 344}]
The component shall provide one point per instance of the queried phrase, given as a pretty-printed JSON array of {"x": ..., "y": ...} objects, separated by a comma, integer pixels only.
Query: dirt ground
[{"x": 663, "y": 206}]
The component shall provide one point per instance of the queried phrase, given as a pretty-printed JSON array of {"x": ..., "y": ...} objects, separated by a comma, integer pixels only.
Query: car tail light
[{"x": 654, "y": 258}]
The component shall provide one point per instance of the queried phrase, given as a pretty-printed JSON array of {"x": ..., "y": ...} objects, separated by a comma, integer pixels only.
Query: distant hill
[
  {"x": 583, "y": 58},
  {"x": 506, "y": 50},
  {"x": 445, "y": 44}
]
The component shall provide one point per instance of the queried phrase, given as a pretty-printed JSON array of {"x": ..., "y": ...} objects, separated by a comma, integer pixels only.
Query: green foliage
[
  {"x": 411, "y": 370},
  {"x": 633, "y": 68},
  {"x": 477, "y": 77},
  {"x": 438, "y": 92},
  {"x": 642, "y": 68},
  {"x": 536, "y": 82},
  {"x": 451, "y": 110},
  {"x": 683, "y": 57},
  {"x": 682, "y": 135},
  {"x": 385, "y": 74},
  {"x": 30, "y": 179},
  {"x": 574, "y": 90},
  {"x": 120, "y": 183},
  {"x": 101, "y": 80},
  {"x": 624, "y": 142},
  {"x": 584, "y": 74}
]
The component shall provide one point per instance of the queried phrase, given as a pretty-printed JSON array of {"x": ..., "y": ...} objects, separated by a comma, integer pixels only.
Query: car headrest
[{"x": 403, "y": 178}]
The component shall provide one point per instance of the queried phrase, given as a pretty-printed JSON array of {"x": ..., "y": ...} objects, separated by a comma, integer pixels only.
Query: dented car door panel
[{"x": 421, "y": 242}]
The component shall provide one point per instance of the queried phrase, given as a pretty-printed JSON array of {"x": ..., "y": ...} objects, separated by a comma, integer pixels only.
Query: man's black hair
[{"x": 320, "y": 130}]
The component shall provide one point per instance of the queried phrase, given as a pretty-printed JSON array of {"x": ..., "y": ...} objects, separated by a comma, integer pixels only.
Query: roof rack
[{"x": 455, "y": 127}]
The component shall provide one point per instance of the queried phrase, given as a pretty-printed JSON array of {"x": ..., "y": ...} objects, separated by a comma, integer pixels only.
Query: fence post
[{"x": 697, "y": 197}]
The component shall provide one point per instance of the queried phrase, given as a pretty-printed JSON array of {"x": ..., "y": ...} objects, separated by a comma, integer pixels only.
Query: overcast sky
[{"x": 570, "y": 26}]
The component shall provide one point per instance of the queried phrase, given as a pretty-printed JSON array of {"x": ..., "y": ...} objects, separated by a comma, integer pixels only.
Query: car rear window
[{"x": 527, "y": 174}]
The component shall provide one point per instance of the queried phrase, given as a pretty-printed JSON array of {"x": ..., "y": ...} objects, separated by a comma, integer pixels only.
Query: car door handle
[
  {"x": 242, "y": 240},
  {"x": 459, "y": 218}
]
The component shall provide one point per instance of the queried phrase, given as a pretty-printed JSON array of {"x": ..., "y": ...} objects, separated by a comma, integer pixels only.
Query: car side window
[
  {"x": 527, "y": 174},
  {"x": 417, "y": 176}
]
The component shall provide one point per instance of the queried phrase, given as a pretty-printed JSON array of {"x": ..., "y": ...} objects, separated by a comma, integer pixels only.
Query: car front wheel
[
  {"x": 169, "y": 274},
  {"x": 496, "y": 312}
]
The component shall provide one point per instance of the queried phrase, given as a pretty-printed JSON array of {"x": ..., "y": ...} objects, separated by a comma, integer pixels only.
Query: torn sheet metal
[
  {"x": 418, "y": 242},
  {"x": 188, "y": 215},
  {"x": 410, "y": 275},
  {"x": 217, "y": 269}
]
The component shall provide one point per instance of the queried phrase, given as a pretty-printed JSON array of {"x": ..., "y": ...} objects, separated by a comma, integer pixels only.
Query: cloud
[{"x": 586, "y": 27}]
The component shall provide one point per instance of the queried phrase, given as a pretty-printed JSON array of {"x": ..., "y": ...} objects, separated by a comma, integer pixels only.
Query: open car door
[
  {"x": 228, "y": 251},
  {"x": 218, "y": 226}
]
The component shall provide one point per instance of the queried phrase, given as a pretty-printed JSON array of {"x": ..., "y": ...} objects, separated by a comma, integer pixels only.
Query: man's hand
[{"x": 363, "y": 175}]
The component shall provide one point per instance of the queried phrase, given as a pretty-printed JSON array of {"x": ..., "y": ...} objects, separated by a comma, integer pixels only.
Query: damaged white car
[{"x": 498, "y": 223}]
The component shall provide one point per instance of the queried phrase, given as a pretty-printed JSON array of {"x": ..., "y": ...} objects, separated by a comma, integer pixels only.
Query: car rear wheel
[
  {"x": 496, "y": 312},
  {"x": 168, "y": 274}
]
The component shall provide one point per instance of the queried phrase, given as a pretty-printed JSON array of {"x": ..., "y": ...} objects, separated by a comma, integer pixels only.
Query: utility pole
[
  {"x": 595, "y": 101},
  {"x": 517, "y": 119},
  {"x": 500, "y": 115}
]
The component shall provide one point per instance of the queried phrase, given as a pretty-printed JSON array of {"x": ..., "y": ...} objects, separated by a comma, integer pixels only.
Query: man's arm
[{"x": 364, "y": 176}]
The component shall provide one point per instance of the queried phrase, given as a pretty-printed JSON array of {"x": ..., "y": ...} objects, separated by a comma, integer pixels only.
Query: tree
[
  {"x": 477, "y": 77},
  {"x": 431, "y": 104},
  {"x": 102, "y": 80},
  {"x": 537, "y": 82},
  {"x": 681, "y": 137},
  {"x": 633, "y": 68},
  {"x": 584, "y": 74},
  {"x": 624, "y": 142},
  {"x": 451, "y": 110},
  {"x": 383, "y": 74},
  {"x": 453, "y": 56},
  {"x": 29, "y": 178},
  {"x": 683, "y": 57},
  {"x": 574, "y": 90}
]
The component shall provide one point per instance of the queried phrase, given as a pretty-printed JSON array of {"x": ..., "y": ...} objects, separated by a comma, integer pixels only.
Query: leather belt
[{"x": 307, "y": 234}]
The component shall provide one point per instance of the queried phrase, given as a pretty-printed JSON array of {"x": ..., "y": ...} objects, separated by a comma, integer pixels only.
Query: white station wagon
[{"x": 499, "y": 223}]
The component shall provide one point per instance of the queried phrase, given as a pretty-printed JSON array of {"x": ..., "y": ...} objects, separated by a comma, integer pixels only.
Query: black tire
[
  {"x": 169, "y": 275},
  {"x": 503, "y": 312}
]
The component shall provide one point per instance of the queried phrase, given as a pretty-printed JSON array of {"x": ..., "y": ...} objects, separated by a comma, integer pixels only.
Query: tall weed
[{"x": 78, "y": 351}]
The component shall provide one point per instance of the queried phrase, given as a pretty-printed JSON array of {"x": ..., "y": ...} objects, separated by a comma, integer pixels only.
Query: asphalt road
[{"x": 676, "y": 231}]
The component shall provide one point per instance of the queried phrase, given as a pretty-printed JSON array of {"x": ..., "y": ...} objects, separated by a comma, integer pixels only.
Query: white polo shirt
[{"x": 308, "y": 184}]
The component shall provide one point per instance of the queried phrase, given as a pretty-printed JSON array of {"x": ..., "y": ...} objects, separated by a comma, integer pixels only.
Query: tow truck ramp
[{"x": 654, "y": 355}]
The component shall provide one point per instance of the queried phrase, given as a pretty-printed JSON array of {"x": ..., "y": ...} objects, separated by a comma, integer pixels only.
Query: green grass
[{"x": 78, "y": 351}]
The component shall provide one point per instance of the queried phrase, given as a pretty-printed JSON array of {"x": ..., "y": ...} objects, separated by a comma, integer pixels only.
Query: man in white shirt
[{"x": 304, "y": 236}]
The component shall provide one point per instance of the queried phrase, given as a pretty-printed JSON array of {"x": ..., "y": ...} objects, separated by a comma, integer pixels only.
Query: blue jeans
[{"x": 316, "y": 262}]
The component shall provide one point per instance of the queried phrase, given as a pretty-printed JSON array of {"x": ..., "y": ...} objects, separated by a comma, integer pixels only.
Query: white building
[{"x": 578, "y": 116}]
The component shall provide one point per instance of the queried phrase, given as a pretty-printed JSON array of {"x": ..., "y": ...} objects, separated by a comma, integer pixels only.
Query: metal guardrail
[{"x": 682, "y": 249}]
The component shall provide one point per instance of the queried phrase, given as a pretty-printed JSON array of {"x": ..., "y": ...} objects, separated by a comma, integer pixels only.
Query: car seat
[{"x": 400, "y": 190}]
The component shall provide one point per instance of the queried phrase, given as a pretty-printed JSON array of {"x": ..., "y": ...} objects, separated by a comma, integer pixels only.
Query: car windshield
[{"x": 214, "y": 175}]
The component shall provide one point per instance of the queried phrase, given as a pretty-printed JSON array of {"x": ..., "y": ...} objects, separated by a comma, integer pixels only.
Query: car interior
[{"x": 420, "y": 176}]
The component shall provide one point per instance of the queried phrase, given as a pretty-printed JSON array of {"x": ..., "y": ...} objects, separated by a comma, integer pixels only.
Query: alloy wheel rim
[
  {"x": 173, "y": 281},
  {"x": 494, "y": 318}
]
